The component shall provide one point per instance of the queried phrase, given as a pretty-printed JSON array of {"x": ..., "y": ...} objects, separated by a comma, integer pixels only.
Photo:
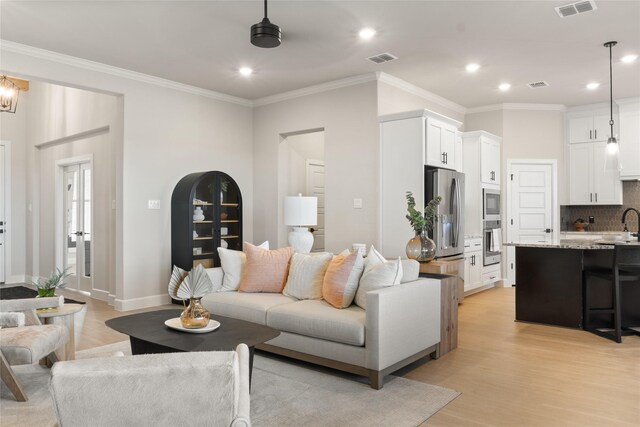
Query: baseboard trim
[
  {"x": 100, "y": 294},
  {"x": 11, "y": 280},
  {"x": 111, "y": 300},
  {"x": 138, "y": 303}
]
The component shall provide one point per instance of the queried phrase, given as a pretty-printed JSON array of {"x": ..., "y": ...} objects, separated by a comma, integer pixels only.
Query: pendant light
[
  {"x": 264, "y": 33},
  {"x": 612, "y": 161},
  {"x": 9, "y": 92}
]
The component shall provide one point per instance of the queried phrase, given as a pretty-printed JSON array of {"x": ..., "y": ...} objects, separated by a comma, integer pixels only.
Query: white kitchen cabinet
[
  {"x": 440, "y": 144},
  {"x": 490, "y": 160},
  {"x": 590, "y": 128},
  {"x": 629, "y": 139},
  {"x": 589, "y": 182},
  {"x": 472, "y": 264},
  {"x": 459, "y": 159}
]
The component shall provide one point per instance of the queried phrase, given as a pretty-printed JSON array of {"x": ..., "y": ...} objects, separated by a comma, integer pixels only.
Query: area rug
[
  {"x": 19, "y": 292},
  {"x": 283, "y": 393}
]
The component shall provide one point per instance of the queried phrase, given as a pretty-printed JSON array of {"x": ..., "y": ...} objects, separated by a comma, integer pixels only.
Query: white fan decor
[{"x": 194, "y": 284}]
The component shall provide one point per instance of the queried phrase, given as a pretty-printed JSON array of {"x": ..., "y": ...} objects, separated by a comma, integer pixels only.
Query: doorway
[
  {"x": 302, "y": 171},
  {"x": 532, "y": 206},
  {"x": 3, "y": 210},
  {"x": 76, "y": 191}
]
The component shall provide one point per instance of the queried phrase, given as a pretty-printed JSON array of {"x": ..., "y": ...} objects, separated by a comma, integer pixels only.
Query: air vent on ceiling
[
  {"x": 383, "y": 57},
  {"x": 576, "y": 8},
  {"x": 535, "y": 85}
]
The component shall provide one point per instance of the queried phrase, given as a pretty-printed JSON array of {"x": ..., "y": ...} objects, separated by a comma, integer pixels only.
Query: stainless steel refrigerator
[{"x": 448, "y": 231}]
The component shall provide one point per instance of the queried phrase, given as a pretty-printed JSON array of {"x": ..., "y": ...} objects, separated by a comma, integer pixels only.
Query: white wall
[
  {"x": 349, "y": 118},
  {"x": 394, "y": 100},
  {"x": 60, "y": 119},
  {"x": 489, "y": 121},
  {"x": 167, "y": 134},
  {"x": 13, "y": 129}
]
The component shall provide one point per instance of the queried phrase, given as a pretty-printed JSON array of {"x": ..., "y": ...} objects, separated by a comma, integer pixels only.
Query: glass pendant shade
[{"x": 612, "y": 158}]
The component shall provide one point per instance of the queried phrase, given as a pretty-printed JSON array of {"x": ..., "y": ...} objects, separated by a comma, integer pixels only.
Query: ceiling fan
[{"x": 264, "y": 33}]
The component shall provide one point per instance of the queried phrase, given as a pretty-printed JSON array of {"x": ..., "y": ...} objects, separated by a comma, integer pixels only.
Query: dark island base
[{"x": 549, "y": 287}]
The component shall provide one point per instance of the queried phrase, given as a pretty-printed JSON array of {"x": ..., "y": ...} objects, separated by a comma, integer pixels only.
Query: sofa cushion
[
  {"x": 306, "y": 273},
  {"x": 265, "y": 270},
  {"x": 232, "y": 263},
  {"x": 341, "y": 280},
  {"x": 243, "y": 306},
  {"x": 382, "y": 275},
  {"x": 318, "y": 319}
]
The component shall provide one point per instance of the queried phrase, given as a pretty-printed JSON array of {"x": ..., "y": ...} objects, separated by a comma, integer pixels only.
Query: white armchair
[
  {"x": 24, "y": 340},
  {"x": 170, "y": 389}
]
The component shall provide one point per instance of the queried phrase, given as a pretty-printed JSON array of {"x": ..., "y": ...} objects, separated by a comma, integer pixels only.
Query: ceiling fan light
[{"x": 265, "y": 34}]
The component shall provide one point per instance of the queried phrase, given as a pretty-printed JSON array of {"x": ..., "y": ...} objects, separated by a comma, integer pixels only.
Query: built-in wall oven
[
  {"x": 492, "y": 242},
  {"x": 490, "y": 204}
]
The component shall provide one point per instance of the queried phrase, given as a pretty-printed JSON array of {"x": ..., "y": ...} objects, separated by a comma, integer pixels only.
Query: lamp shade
[{"x": 300, "y": 211}]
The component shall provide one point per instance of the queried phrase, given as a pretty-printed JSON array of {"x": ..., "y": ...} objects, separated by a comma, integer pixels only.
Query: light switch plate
[
  {"x": 154, "y": 204},
  {"x": 357, "y": 203}
]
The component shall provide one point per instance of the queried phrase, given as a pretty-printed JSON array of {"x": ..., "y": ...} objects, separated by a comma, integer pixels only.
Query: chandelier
[{"x": 8, "y": 95}]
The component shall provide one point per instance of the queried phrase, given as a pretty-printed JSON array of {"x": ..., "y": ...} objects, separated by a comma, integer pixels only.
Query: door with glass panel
[{"x": 78, "y": 234}]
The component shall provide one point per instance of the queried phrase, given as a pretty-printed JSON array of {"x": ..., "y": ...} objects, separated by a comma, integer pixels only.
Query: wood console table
[{"x": 449, "y": 294}]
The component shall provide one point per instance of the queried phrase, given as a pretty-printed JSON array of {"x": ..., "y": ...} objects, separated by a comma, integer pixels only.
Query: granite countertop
[
  {"x": 575, "y": 244},
  {"x": 591, "y": 233},
  {"x": 473, "y": 236}
]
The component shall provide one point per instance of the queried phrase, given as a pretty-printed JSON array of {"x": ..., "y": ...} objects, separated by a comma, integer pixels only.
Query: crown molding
[
  {"x": 418, "y": 91},
  {"x": 311, "y": 90},
  {"x": 517, "y": 106},
  {"x": 60, "y": 58}
]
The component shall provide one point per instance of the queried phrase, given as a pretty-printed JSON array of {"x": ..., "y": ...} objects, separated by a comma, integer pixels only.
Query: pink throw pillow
[
  {"x": 336, "y": 288},
  {"x": 265, "y": 270}
]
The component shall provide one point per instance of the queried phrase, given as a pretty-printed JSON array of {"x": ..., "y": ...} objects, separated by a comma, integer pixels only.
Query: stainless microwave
[{"x": 490, "y": 204}]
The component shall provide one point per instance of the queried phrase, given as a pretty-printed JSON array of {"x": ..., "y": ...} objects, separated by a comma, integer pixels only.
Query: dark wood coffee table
[{"x": 148, "y": 334}]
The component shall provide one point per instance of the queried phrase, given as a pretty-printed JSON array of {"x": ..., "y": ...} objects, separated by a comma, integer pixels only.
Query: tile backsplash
[{"x": 607, "y": 218}]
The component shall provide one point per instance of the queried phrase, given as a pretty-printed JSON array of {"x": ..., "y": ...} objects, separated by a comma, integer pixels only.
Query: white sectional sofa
[{"x": 400, "y": 325}]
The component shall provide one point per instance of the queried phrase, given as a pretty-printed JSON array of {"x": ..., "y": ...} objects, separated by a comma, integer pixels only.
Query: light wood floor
[{"x": 510, "y": 374}]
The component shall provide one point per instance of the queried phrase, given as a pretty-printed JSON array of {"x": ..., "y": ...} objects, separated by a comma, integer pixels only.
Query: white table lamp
[{"x": 301, "y": 212}]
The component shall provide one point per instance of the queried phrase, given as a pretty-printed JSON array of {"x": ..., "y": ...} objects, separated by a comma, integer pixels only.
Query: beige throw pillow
[
  {"x": 306, "y": 273},
  {"x": 232, "y": 263},
  {"x": 341, "y": 279},
  {"x": 265, "y": 270},
  {"x": 381, "y": 275}
]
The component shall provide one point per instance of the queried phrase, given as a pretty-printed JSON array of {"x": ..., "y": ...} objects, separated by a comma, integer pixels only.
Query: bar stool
[{"x": 626, "y": 268}]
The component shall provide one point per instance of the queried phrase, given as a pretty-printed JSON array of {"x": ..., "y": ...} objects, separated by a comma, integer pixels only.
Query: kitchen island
[{"x": 549, "y": 283}]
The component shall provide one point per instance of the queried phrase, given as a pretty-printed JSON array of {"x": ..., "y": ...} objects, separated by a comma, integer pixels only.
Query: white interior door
[
  {"x": 2, "y": 214},
  {"x": 531, "y": 198},
  {"x": 77, "y": 242},
  {"x": 315, "y": 187}
]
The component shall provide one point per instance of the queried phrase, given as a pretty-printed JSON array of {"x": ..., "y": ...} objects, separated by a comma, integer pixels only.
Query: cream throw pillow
[
  {"x": 341, "y": 280},
  {"x": 306, "y": 273},
  {"x": 373, "y": 258},
  {"x": 232, "y": 263},
  {"x": 380, "y": 275}
]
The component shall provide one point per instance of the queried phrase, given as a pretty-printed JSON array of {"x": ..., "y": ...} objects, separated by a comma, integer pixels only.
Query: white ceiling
[{"x": 203, "y": 43}]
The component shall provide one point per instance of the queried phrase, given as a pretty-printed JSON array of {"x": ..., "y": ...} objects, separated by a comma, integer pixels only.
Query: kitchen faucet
[{"x": 624, "y": 217}]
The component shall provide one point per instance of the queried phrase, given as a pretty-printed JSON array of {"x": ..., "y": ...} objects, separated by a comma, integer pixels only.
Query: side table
[
  {"x": 62, "y": 316},
  {"x": 448, "y": 312}
]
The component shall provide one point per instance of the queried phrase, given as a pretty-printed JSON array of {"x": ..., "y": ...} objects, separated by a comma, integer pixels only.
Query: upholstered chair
[
  {"x": 169, "y": 389},
  {"x": 24, "y": 340}
]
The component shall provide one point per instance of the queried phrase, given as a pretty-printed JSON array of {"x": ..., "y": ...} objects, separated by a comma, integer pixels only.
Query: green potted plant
[
  {"x": 421, "y": 247},
  {"x": 47, "y": 288}
]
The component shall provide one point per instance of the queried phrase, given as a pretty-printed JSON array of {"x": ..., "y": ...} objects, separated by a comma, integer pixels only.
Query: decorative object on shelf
[
  {"x": 47, "y": 288},
  {"x": 9, "y": 92},
  {"x": 224, "y": 244},
  {"x": 195, "y": 234},
  {"x": 224, "y": 231},
  {"x": 421, "y": 247},
  {"x": 198, "y": 214},
  {"x": 612, "y": 161},
  {"x": 224, "y": 216},
  {"x": 580, "y": 224},
  {"x": 301, "y": 212},
  {"x": 264, "y": 33},
  {"x": 191, "y": 286},
  {"x": 197, "y": 251}
]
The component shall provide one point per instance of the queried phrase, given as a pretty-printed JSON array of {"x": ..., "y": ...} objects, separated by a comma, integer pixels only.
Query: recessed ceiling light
[
  {"x": 472, "y": 68},
  {"x": 504, "y": 87},
  {"x": 629, "y": 58},
  {"x": 367, "y": 33},
  {"x": 245, "y": 71},
  {"x": 593, "y": 86}
]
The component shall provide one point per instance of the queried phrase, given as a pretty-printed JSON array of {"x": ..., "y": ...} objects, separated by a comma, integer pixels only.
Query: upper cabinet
[
  {"x": 629, "y": 138},
  {"x": 587, "y": 132},
  {"x": 440, "y": 144},
  {"x": 490, "y": 160},
  {"x": 591, "y": 128}
]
